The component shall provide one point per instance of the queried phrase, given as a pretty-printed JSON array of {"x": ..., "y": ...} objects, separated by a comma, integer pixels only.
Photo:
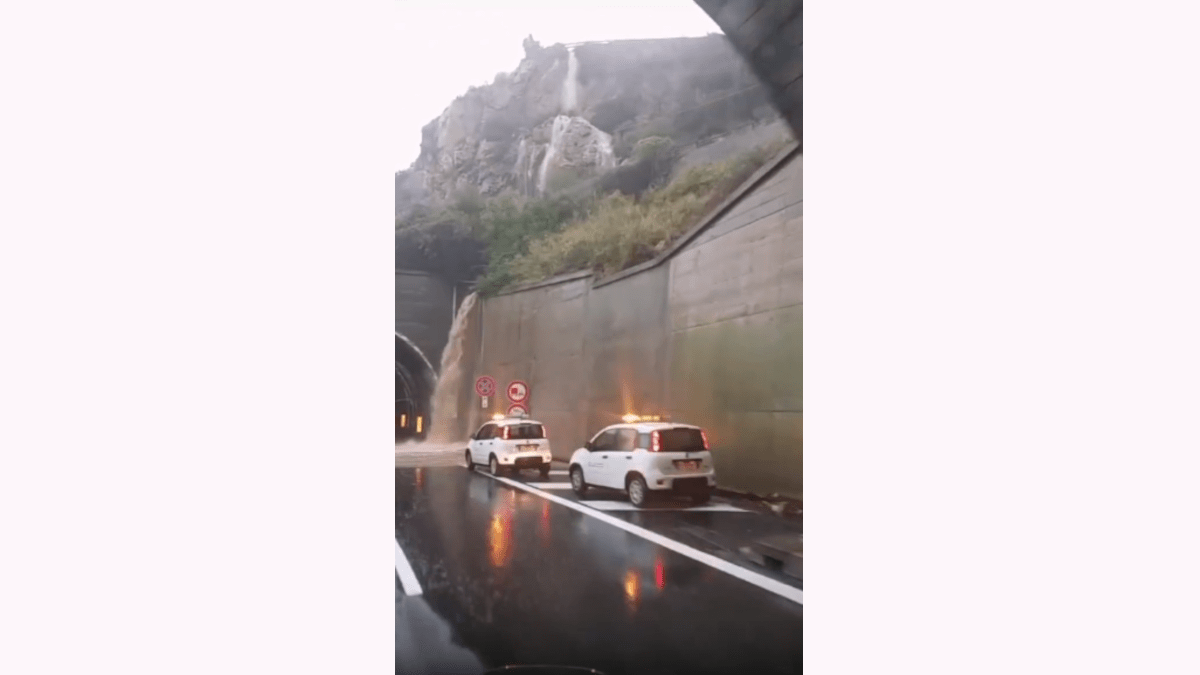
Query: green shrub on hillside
[
  {"x": 629, "y": 136},
  {"x": 509, "y": 226},
  {"x": 620, "y": 232},
  {"x": 564, "y": 179},
  {"x": 471, "y": 233},
  {"x": 517, "y": 241},
  {"x": 445, "y": 241},
  {"x": 653, "y": 148}
]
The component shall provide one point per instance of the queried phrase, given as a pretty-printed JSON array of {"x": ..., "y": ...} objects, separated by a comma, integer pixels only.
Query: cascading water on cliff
[
  {"x": 558, "y": 136},
  {"x": 445, "y": 444},
  {"x": 570, "y": 94},
  {"x": 608, "y": 159},
  {"x": 527, "y": 167}
]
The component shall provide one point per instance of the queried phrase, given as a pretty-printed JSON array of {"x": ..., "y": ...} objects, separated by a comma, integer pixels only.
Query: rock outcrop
[{"x": 571, "y": 113}]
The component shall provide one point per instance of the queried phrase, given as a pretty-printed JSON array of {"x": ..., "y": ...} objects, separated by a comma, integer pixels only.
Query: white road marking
[
  {"x": 558, "y": 472},
  {"x": 408, "y": 578},
  {"x": 766, "y": 583},
  {"x": 626, "y": 506},
  {"x": 552, "y": 486}
]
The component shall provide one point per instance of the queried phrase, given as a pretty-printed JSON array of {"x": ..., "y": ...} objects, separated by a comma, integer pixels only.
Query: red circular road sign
[
  {"x": 518, "y": 391},
  {"x": 517, "y": 410},
  {"x": 485, "y": 386}
]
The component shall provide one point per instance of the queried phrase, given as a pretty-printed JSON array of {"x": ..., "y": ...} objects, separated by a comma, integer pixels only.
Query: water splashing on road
[{"x": 428, "y": 453}]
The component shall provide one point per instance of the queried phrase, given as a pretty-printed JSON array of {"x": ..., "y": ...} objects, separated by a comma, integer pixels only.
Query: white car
[
  {"x": 646, "y": 458},
  {"x": 510, "y": 443}
]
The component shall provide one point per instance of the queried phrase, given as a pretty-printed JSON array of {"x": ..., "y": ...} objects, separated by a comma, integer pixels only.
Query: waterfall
[
  {"x": 444, "y": 417},
  {"x": 519, "y": 169},
  {"x": 526, "y": 167},
  {"x": 608, "y": 159},
  {"x": 448, "y": 427},
  {"x": 558, "y": 135},
  {"x": 589, "y": 147},
  {"x": 570, "y": 93}
]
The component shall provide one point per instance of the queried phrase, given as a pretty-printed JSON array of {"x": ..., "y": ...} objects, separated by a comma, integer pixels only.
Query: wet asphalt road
[{"x": 510, "y": 577}]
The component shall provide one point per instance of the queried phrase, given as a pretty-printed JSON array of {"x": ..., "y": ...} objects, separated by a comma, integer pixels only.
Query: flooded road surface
[
  {"x": 518, "y": 570},
  {"x": 422, "y": 454}
]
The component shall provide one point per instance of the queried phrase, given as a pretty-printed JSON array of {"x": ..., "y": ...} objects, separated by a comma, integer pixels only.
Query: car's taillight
[
  {"x": 506, "y": 432},
  {"x": 705, "y": 437},
  {"x": 655, "y": 442}
]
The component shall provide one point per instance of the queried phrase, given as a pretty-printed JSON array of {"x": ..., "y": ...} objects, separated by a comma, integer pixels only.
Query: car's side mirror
[{"x": 588, "y": 446}]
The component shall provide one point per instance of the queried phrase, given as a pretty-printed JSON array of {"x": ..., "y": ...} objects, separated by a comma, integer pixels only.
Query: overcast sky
[{"x": 448, "y": 45}]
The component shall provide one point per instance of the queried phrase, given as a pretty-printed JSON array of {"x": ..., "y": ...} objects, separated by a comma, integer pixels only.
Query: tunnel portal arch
[{"x": 415, "y": 382}]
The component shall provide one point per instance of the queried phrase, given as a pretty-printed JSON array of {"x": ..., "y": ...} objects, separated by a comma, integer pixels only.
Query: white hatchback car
[
  {"x": 510, "y": 443},
  {"x": 644, "y": 458}
]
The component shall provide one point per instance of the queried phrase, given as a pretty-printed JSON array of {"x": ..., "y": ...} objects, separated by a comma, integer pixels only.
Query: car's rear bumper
[
  {"x": 525, "y": 461},
  {"x": 689, "y": 484}
]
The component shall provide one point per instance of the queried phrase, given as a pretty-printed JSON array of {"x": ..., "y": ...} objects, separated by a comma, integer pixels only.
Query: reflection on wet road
[{"x": 520, "y": 579}]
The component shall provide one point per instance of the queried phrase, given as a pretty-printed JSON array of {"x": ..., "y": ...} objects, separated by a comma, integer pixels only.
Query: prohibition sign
[
  {"x": 485, "y": 386},
  {"x": 518, "y": 391}
]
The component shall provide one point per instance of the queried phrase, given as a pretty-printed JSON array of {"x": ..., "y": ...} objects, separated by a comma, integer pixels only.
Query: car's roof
[
  {"x": 649, "y": 426},
  {"x": 507, "y": 421}
]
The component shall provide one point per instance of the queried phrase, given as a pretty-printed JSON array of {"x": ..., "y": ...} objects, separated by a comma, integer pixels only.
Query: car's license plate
[
  {"x": 687, "y": 465},
  {"x": 527, "y": 448}
]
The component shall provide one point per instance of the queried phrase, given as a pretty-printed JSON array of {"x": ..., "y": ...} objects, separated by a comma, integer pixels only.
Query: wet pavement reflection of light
[
  {"x": 636, "y": 586},
  {"x": 523, "y": 580},
  {"x": 643, "y": 566},
  {"x": 633, "y": 590},
  {"x": 500, "y": 536},
  {"x": 544, "y": 526}
]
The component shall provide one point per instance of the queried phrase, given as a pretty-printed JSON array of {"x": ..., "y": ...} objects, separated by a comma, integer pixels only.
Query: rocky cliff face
[{"x": 569, "y": 113}]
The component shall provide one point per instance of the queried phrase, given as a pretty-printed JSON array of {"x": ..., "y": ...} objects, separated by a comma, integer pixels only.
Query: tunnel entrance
[{"x": 415, "y": 380}]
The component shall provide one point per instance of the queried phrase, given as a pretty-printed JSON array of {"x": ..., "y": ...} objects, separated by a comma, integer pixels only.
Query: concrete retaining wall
[{"x": 710, "y": 333}]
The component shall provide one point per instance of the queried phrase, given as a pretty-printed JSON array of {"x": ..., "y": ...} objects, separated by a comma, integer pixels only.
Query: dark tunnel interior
[{"x": 415, "y": 381}]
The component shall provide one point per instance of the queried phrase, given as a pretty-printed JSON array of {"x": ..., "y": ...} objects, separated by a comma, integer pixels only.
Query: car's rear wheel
[
  {"x": 577, "y": 483},
  {"x": 639, "y": 494},
  {"x": 470, "y": 463},
  {"x": 545, "y": 471},
  {"x": 494, "y": 466}
]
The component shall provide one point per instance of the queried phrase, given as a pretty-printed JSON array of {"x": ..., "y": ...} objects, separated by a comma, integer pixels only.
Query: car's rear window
[
  {"x": 681, "y": 440},
  {"x": 526, "y": 431}
]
